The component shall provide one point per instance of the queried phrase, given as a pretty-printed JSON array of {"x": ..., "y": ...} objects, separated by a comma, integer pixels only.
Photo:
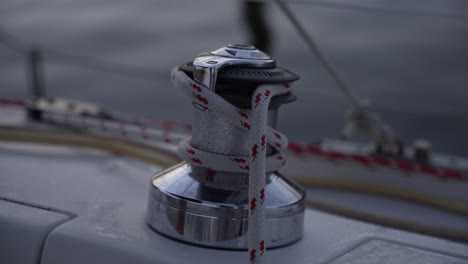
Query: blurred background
[{"x": 409, "y": 59}]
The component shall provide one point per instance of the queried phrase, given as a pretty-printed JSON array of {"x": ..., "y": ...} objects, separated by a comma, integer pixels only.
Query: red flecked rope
[
  {"x": 365, "y": 160},
  {"x": 257, "y": 164},
  {"x": 11, "y": 102}
]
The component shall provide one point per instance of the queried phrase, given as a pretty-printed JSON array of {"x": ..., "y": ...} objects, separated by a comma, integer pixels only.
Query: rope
[
  {"x": 104, "y": 127},
  {"x": 152, "y": 154},
  {"x": 257, "y": 164}
]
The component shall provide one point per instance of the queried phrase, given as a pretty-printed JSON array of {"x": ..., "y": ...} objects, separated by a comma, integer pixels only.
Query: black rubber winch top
[{"x": 237, "y": 84}]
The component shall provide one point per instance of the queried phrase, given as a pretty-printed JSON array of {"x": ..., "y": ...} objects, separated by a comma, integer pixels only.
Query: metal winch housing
[{"x": 210, "y": 208}]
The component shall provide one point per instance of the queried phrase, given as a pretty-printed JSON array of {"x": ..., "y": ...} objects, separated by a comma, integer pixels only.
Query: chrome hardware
[
  {"x": 191, "y": 210},
  {"x": 210, "y": 208},
  {"x": 208, "y": 65}
]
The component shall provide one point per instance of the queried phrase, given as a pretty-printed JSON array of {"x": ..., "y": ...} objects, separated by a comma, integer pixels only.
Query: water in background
[{"x": 412, "y": 68}]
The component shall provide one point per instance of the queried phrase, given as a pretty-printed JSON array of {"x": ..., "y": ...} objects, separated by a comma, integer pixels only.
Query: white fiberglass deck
[{"x": 75, "y": 205}]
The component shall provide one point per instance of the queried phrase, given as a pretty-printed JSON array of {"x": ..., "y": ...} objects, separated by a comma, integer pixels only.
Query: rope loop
[{"x": 257, "y": 163}]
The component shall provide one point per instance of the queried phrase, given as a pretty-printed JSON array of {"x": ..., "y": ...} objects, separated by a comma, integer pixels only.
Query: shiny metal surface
[
  {"x": 213, "y": 133},
  {"x": 207, "y": 65},
  {"x": 187, "y": 209},
  {"x": 210, "y": 208}
]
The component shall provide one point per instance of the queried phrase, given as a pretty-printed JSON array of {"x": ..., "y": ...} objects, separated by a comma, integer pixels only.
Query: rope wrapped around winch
[{"x": 259, "y": 136}]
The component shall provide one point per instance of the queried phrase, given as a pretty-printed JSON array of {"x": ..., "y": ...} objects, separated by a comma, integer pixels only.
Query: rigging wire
[
  {"x": 340, "y": 83},
  {"x": 358, "y": 118}
]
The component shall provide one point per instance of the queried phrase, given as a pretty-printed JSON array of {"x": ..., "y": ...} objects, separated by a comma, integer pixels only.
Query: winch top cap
[
  {"x": 207, "y": 65},
  {"x": 241, "y": 51}
]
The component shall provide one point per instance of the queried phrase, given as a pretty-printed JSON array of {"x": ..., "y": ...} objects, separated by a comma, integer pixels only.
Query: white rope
[
  {"x": 118, "y": 129},
  {"x": 259, "y": 136}
]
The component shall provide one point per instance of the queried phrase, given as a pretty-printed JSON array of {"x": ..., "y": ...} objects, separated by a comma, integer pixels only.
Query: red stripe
[
  {"x": 452, "y": 174},
  {"x": 5, "y": 101},
  {"x": 190, "y": 151},
  {"x": 197, "y": 161},
  {"x": 263, "y": 139},
  {"x": 245, "y": 124},
  {"x": 253, "y": 205},
  {"x": 405, "y": 166},
  {"x": 429, "y": 169},
  {"x": 262, "y": 195},
  {"x": 238, "y": 160},
  {"x": 316, "y": 150},
  {"x": 210, "y": 175},
  {"x": 364, "y": 160},
  {"x": 252, "y": 256},
  {"x": 254, "y": 152},
  {"x": 262, "y": 247},
  {"x": 382, "y": 161},
  {"x": 296, "y": 148},
  {"x": 336, "y": 155}
]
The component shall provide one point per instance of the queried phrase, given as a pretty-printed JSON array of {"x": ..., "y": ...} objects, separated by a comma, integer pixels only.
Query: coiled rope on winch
[{"x": 259, "y": 136}]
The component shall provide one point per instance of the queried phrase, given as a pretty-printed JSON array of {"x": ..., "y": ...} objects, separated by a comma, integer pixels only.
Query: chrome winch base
[{"x": 183, "y": 206}]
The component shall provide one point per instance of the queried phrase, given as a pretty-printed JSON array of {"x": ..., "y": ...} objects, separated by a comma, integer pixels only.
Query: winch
[{"x": 206, "y": 201}]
